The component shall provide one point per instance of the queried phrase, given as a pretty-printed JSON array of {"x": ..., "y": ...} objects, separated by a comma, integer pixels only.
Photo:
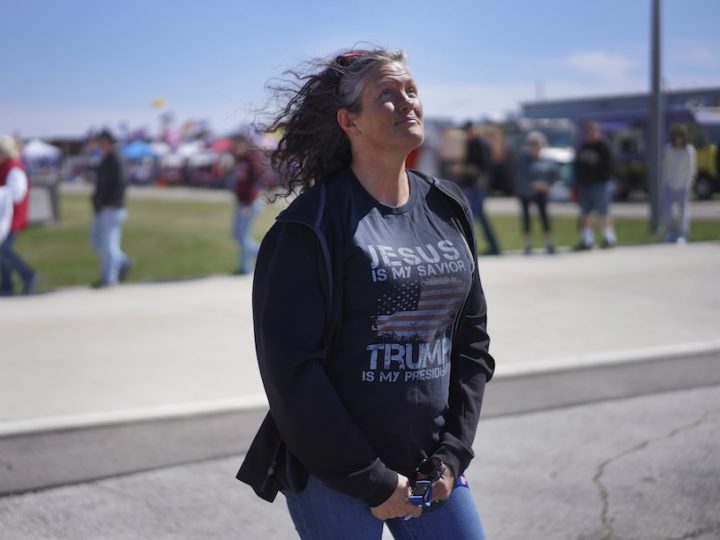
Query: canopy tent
[
  {"x": 160, "y": 148},
  {"x": 172, "y": 160},
  {"x": 37, "y": 150},
  {"x": 190, "y": 148},
  {"x": 222, "y": 145},
  {"x": 137, "y": 150},
  {"x": 268, "y": 141},
  {"x": 202, "y": 159}
]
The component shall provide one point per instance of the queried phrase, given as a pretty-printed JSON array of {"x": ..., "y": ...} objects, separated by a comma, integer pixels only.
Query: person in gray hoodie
[
  {"x": 678, "y": 173},
  {"x": 533, "y": 177}
]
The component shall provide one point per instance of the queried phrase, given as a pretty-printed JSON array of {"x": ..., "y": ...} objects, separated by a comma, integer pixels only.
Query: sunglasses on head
[{"x": 344, "y": 60}]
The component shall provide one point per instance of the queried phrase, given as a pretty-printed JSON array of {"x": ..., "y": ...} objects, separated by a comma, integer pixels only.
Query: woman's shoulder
[
  {"x": 304, "y": 207},
  {"x": 446, "y": 186},
  {"x": 311, "y": 205},
  {"x": 448, "y": 189}
]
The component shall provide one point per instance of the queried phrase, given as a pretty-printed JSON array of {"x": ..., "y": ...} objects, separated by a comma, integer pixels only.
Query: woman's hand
[
  {"x": 443, "y": 487},
  {"x": 397, "y": 504}
]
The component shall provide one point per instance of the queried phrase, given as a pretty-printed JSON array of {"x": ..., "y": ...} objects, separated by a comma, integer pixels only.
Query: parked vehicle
[{"x": 706, "y": 138}]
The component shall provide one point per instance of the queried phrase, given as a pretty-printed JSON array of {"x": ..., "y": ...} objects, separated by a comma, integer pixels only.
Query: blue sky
[{"x": 76, "y": 64}]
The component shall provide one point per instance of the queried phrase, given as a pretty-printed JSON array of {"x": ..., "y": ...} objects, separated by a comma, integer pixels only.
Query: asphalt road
[{"x": 637, "y": 468}]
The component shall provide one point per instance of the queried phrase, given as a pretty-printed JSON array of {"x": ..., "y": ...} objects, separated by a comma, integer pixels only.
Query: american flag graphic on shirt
[{"x": 419, "y": 310}]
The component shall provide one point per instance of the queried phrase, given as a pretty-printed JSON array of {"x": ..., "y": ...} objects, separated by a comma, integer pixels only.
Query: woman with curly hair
[{"x": 370, "y": 320}]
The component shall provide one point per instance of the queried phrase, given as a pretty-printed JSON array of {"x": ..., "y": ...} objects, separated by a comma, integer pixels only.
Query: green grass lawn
[
  {"x": 630, "y": 231},
  {"x": 171, "y": 240}
]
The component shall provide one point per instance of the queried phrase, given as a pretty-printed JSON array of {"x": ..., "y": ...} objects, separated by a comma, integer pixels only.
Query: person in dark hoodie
[
  {"x": 108, "y": 201},
  {"x": 475, "y": 181},
  {"x": 370, "y": 319},
  {"x": 593, "y": 168}
]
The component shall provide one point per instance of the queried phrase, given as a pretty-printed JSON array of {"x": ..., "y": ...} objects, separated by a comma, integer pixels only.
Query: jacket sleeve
[
  {"x": 289, "y": 311},
  {"x": 111, "y": 184},
  {"x": 17, "y": 181},
  {"x": 472, "y": 367}
]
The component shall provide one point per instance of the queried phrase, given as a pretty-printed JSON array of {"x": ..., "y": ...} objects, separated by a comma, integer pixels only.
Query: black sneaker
[
  {"x": 99, "y": 284},
  {"x": 582, "y": 246},
  {"x": 606, "y": 244},
  {"x": 125, "y": 270},
  {"x": 31, "y": 284},
  {"x": 550, "y": 249}
]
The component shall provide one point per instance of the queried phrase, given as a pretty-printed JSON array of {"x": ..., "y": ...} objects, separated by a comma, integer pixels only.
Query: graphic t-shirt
[{"x": 407, "y": 273}]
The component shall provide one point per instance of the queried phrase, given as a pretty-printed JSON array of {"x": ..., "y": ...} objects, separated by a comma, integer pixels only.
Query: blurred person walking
[
  {"x": 593, "y": 168},
  {"x": 533, "y": 177},
  {"x": 246, "y": 180},
  {"x": 15, "y": 179},
  {"x": 678, "y": 173},
  {"x": 108, "y": 201},
  {"x": 475, "y": 181},
  {"x": 370, "y": 319}
]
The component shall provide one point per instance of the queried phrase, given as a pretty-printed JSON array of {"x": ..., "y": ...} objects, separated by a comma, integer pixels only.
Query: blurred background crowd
[{"x": 190, "y": 154}]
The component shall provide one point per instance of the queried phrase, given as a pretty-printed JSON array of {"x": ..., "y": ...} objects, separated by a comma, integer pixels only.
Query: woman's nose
[{"x": 407, "y": 103}]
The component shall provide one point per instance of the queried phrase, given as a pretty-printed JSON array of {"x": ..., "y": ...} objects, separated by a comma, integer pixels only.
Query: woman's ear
[{"x": 346, "y": 121}]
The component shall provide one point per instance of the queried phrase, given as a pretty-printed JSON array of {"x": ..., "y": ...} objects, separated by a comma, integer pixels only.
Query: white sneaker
[{"x": 681, "y": 241}]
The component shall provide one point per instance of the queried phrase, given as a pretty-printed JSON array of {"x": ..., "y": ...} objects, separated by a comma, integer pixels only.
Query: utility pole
[{"x": 655, "y": 138}]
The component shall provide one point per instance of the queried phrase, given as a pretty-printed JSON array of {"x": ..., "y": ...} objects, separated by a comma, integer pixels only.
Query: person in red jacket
[
  {"x": 13, "y": 175},
  {"x": 246, "y": 178}
]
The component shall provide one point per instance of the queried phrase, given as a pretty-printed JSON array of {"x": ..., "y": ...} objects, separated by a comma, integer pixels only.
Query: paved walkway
[{"x": 80, "y": 356}]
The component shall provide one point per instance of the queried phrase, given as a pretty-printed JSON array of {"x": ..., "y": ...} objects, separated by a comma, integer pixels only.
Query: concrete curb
[
  {"x": 593, "y": 360},
  {"x": 259, "y": 401},
  {"x": 89, "y": 447}
]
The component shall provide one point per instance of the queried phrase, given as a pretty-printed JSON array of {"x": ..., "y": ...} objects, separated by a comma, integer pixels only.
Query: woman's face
[{"x": 391, "y": 113}]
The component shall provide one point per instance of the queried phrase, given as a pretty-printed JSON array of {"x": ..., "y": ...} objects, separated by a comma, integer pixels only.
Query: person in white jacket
[{"x": 678, "y": 172}]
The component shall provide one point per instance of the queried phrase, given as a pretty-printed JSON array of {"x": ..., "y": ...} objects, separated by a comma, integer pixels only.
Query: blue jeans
[
  {"x": 594, "y": 197},
  {"x": 669, "y": 199},
  {"x": 476, "y": 198},
  {"x": 105, "y": 237},
  {"x": 320, "y": 513},
  {"x": 245, "y": 215},
  {"x": 11, "y": 262}
]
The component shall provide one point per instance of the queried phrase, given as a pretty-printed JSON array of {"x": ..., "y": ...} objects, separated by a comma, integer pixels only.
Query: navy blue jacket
[
  {"x": 297, "y": 309},
  {"x": 110, "y": 186}
]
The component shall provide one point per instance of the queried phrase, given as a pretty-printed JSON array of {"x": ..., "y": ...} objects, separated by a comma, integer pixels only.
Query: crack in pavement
[
  {"x": 607, "y": 530},
  {"x": 697, "y": 533}
]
